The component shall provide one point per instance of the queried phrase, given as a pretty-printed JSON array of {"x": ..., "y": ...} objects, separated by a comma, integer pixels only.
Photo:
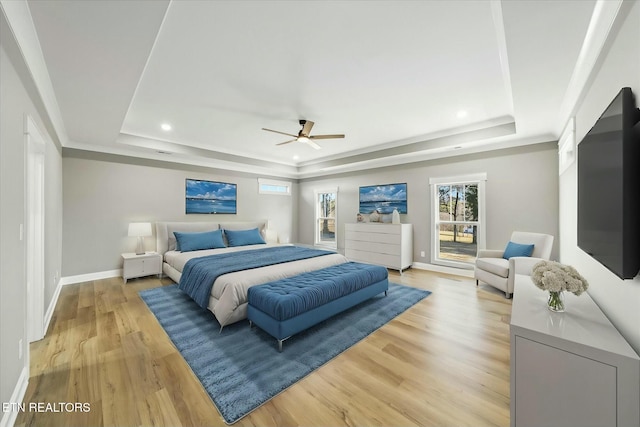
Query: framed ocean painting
[
  {"x": 210, "y": 197},
  {"x": 383, "y": 198}
]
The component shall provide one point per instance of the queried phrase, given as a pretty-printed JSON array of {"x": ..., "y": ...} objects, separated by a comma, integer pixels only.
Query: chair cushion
[
  {"x": 517, "y": 249},
  {"x": 497, "y": 266}
]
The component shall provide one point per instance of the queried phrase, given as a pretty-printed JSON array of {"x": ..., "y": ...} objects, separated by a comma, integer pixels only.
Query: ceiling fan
[{"x": 303, "y": 135}]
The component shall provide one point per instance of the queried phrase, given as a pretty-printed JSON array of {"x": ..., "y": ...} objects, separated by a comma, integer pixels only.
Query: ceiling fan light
[{"x": 303, "y": 139}]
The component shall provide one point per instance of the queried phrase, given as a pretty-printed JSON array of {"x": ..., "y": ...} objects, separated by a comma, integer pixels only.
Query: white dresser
[
  {"x": 390, "y": 245},
  {"x": 572, "y": 368}
]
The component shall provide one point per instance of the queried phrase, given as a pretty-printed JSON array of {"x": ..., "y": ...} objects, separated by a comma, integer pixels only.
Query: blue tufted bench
[{"x": 288, "y": 306}]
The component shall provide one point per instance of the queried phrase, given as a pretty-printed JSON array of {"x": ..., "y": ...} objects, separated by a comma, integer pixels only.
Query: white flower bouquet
[{"x": 556, "y": 278}]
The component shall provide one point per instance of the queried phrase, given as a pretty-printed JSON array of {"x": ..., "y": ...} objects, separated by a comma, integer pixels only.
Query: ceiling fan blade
[
  {"x": 287, "y": 142},
  {"x": 313, "y": 144},
  {"x": 283, "y": 133},
  {"x": 326, "y": 136},
  {"x": 306, "y": 127}
]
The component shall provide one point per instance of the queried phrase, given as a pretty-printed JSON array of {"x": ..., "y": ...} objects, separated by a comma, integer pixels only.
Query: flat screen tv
[
  {"x": 383, "y": 198},
  {"x": 609, "y": 188},
  {"x": 210, "y": 197}
]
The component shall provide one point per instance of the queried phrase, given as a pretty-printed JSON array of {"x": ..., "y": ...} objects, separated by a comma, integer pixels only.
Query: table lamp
[{"x": 140, "y": 230}]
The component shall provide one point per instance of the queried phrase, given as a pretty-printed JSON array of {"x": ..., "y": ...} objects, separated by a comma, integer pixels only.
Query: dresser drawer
[
  {"x": 391, "y": 261},
  {"x": 375, "y": 228},
  {"x": 373, "y": 237},
  {"x": 152, "y": 265},
  {"x": 383, "y": 248},
  {"x": 133, "y": 269}
]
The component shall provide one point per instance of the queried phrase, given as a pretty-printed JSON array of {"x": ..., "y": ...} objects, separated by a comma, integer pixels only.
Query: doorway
[{"x": 34, "y": 229}]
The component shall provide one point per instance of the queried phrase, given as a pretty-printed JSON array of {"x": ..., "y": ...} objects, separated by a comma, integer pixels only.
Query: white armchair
[{"x": 492, "y": 269}]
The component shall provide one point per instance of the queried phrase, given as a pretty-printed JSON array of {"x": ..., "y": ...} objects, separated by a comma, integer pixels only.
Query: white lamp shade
[{"x": 140, "y": 229}]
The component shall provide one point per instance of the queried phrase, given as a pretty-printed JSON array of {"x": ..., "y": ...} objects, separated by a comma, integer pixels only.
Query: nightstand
[{"x": 141, "y": 265}]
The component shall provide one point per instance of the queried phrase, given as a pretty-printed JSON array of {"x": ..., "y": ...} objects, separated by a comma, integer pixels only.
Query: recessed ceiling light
[
  {"x": 166, "y": 127},
  {"x": 462, "y": 114},
  {"x": 296, "y": 157}
]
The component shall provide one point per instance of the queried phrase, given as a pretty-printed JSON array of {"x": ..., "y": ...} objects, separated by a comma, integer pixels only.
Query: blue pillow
[
  {"x": 186, "y": 242},
  {"x": 516, "y": 249},
  {"x": 244, "y": 237}
]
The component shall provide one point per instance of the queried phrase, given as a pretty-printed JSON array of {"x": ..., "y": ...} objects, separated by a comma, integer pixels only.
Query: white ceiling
[{"x": 393, "y": 76}]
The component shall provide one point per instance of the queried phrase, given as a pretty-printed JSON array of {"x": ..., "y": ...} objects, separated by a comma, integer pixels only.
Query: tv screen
[
  {"x": 210, "y": 197},
  {"x": 609, "y": 188},
  {"x": 383, "y": 198}
]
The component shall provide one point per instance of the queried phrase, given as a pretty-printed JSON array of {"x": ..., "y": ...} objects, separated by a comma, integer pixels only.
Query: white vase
[{"x": 395, "y": 217}]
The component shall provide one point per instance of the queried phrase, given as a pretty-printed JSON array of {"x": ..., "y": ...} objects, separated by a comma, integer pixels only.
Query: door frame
[
  {"x": 477, "y": 178},
  {"x": 35, "y": 152}
]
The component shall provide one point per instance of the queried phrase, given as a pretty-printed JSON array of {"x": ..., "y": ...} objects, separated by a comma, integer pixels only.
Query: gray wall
[
  {"x": 18, "y": 99},
  {"x": 619, "y": 299},
  {"x": 521, "y": 194},
  {"x": 104, "y": 193}
]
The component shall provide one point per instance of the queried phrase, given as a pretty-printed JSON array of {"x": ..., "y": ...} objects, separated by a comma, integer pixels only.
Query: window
[
  {"x": 270, "y": 186},
  {"x": 457, "y": 220},
  {"x": 326, "y": 213}
]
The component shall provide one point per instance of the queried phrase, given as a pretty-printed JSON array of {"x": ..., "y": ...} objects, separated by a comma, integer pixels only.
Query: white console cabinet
[
  {"x": 572, "y": 368},
  {"x": 390, "y": 245}
]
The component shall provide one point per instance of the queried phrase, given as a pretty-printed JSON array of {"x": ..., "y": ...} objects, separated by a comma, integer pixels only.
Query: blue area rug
[{"x": 241, "y": 368}]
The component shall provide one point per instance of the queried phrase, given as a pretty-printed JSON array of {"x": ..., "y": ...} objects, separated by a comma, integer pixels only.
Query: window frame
[
  {"x": 274, "y": 183},
  {"x": 479, "y": 179},
  {"x": 317, "y": 240}
]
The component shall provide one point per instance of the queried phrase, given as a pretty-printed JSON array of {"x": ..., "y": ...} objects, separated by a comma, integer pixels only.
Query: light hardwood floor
[{"x": 443, "y": 362}]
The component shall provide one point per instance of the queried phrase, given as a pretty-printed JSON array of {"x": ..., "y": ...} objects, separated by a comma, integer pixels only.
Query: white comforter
[{"x": 228, "y": 300}]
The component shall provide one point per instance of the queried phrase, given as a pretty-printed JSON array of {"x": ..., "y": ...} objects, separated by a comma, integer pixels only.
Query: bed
[{"x": 228, "y": 296}]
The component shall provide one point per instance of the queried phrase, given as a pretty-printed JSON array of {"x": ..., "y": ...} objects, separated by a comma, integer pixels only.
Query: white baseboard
[
  {"x": 9, "y": 417},
  {"x": 52, "y": 306},
  {"x": 69, "y": 280},
  {"x": 442, "y": 269}
]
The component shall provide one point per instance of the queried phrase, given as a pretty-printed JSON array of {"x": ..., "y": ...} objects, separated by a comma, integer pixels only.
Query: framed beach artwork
[
  {"x": 210, "y": 197},
  {"x": 383, "y": 198}
]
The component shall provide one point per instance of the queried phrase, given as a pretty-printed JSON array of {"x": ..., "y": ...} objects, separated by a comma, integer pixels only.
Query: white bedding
[
  {"x": 177, "y": 259},
  {"x": 228, "y": 300}
]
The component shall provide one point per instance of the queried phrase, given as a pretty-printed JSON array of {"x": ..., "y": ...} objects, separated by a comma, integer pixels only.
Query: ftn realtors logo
[{"x": 46, "y": 407}]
